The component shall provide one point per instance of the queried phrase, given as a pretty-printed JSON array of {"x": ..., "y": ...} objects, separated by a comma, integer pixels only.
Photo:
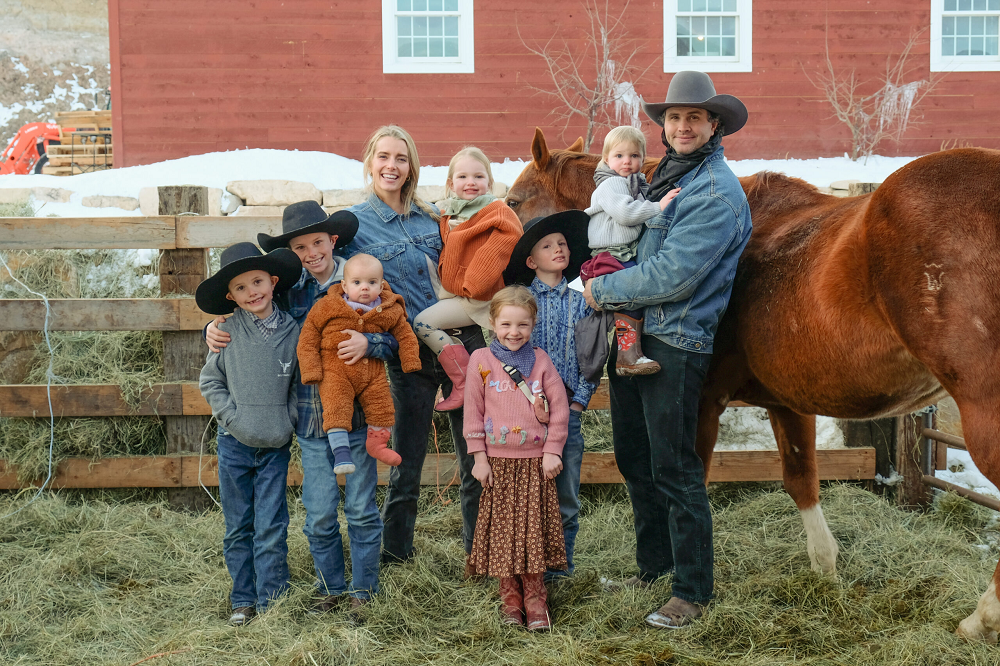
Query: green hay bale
[
  {"x": 87, "y": 581},
  {"x": 17, "y": 209}
]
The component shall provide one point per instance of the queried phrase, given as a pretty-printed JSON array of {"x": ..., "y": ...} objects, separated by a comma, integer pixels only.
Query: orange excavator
[{"x": 26, "y": 152}]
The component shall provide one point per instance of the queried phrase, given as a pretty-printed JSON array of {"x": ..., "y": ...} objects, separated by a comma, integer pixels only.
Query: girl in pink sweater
[{"x": 516, "y": 416}]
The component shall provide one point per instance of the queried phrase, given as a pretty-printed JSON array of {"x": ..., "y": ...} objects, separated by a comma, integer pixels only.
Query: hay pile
[{"x": 91, "y": 582}]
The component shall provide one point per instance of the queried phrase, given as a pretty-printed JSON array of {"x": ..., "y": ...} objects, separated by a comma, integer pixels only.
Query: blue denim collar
[
  {"x": 720, "y": 153},
  {"x": 383, "y": 210}
]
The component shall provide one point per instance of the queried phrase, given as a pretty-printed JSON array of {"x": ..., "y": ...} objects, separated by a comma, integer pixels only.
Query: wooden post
[
  {"x": 878, "y": 434},
  {"x": 183, "y": 351},
  {"x": 912, "y": 492}
]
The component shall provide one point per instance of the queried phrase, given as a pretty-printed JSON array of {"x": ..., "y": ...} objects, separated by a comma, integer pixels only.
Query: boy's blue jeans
[
  {"x": 252, "y": 489},
  {"x": 568, "y": 487},
  {"x": 321, "y": 495}
]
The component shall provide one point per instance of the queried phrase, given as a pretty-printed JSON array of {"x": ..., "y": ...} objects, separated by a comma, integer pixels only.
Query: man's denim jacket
[
  {"x": 403, "y": 246},
  {"x": 687, "y": 259}
]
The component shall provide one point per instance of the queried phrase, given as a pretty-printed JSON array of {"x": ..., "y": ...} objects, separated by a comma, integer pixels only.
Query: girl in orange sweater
[{"x": 479, "y": 232}]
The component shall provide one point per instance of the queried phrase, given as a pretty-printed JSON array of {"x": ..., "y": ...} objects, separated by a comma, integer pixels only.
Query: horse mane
[{"x": 561, "y": 159}]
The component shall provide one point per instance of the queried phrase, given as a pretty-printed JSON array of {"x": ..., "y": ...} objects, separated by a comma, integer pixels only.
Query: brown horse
[{"x": 856, "y": 308}]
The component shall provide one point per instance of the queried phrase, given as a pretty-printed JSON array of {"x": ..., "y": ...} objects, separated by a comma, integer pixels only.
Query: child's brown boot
[
  {"x": 377, "y": 446},
  {"x": 511, "y": 600},
  {"x": 536, "y": 609},
  {"x": 631, "y": 361}
]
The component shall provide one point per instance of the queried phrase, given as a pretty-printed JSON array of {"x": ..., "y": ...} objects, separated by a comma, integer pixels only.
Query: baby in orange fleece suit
[{"x": 362, "y": 302}]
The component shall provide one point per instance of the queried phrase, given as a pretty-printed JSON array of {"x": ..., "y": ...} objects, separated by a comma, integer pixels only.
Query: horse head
[{"x": 556, "y": 180}]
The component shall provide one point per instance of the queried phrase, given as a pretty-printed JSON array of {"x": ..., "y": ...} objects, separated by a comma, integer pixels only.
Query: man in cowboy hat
[{"x": 687, "y": 262}]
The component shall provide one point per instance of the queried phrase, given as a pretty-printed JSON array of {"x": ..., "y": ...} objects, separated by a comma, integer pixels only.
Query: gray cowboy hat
[
  {"x": 570, "y": 223},
  {"x": 308, "y": 217},
  {"x": 240, "y": 258},
  {"x": 695, "y": 89}
]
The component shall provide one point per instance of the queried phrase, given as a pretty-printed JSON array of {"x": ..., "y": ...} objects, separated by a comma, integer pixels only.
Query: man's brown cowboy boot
[{"x": 631, "y": 361}]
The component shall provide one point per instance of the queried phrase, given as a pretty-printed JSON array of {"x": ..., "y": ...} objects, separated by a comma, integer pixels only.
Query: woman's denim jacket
[
  {"x": 687, "y": 259},
  {"x": 403, "y": 247}
]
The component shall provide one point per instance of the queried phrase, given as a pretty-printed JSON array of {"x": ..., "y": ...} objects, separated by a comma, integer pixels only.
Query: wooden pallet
[{"x": 72, "y": 170}]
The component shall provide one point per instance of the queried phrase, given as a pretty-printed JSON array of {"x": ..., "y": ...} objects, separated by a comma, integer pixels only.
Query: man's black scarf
[{"x": 674, "y": 165}]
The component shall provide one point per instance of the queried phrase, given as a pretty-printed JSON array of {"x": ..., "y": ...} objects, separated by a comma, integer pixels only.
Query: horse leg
[
  {"x": 981, "y": 427},
  {"x": 796, "y": 437}
]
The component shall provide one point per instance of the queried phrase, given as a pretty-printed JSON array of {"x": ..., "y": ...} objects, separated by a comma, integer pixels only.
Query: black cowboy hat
[
  {"x": 240, "y": 258},
  {"x": 308, "y": 217},
  {"x": 570, "y": 223},
  {"x": 695, "y": 89}
]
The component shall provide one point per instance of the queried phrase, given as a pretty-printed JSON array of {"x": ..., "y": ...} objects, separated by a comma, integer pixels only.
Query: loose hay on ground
[{"x": 85, "y": 581}]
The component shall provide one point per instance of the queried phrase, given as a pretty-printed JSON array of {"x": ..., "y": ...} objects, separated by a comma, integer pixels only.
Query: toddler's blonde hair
[
  {"x": 474, "y": 153},
  {"x": 516, "y": 295},
  {"x": 624, "y": 134}
]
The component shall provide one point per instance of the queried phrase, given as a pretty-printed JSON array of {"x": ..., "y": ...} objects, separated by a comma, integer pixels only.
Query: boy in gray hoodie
[{"x": 250, "y": 385}]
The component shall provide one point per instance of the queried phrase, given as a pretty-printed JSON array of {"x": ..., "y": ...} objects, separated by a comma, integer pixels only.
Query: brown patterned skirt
[{"x": 519, "y": 529}]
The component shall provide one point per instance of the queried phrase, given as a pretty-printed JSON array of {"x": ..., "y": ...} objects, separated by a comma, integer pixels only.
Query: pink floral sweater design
[{"x": 498, "y": 417}]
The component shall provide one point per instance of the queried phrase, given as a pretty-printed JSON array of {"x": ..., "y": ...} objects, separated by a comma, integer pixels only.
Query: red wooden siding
[{"x": 192, "y": 77}]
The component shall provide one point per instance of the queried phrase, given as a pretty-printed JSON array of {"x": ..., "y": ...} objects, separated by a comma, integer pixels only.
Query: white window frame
[
  {"x": 743, "y": 62},
  {"x": 464, "y": 64},
  {"x": 941, "y": 63}
]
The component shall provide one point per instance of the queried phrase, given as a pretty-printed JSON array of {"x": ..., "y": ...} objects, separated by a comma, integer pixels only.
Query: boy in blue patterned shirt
[{"x": 545, "y": 259}]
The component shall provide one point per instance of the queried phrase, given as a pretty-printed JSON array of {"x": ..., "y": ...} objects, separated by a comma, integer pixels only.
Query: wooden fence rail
[{"x": 180, "y": 400}]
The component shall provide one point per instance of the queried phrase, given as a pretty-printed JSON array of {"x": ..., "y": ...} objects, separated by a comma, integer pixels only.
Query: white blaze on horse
[{"x": 855, "y": 308}]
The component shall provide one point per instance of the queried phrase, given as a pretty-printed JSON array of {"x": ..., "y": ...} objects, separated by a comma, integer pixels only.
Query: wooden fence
[{"x": 183, "y": 239}]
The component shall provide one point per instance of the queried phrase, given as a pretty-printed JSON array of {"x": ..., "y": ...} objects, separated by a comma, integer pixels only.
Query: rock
[
  {"x": 431, "y": 192},
  {"x": 500, "y": 189},
  {"x": 843, "y": 184},
  {"x": 51, "y": 194},
  {"x": 149, "y": 201},
  {"x": 274, "y": 192},
  {"x": 10, "y": 195},
  {"x": 100, "y": 201},
  {"x": 260, "y": 211},
  {"x": 230, "y": 203},
  {"x": 343, "y": 198}
]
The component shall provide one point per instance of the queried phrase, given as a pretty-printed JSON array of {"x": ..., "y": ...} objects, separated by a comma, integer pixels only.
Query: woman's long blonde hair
[
  {"x": 474, "y": 153},
  {"x": 408, "y": 193}
]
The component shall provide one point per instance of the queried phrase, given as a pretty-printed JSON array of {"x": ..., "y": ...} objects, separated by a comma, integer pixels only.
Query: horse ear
[
  {"x": 577, "y": 146},
  {"x": 539, "y": 151}
]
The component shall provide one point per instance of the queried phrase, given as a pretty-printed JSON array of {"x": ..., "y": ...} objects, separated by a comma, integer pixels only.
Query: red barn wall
[{"x": 196, "y": 76}]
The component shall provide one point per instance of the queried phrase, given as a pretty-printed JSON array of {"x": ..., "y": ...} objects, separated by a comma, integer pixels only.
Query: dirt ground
[{"x": 53, "y": 57}]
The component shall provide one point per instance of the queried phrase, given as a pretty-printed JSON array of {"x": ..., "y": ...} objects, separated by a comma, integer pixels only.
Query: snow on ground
[
  {"x": 328, "y": 172},
  {"x": 963, "y": 472}
]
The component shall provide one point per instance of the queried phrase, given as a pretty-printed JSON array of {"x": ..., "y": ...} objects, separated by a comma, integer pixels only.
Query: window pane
[
  {"x": 991, "y": 25},
  {"x": 683, "y": 25},
  {"x": 728, "y": 46},
  {"x": 948, "y": 46},
  {"x": 698, "y": 46},
  {"x": 683, "y": 46},
  {"x": 683, "y": 5},
  {"x": 402, "y": 5},
  {"x": 698, "y": 26},
  {"x": 991, "y": 46},
  {"x": 451, "y": 47},
  {"x": 950, "y": 5},
  {"x": 419, "y": 26},
  {"x": 697, "y": 5},
  {"x": 964, "y": 5},
  {"x": 730, "y": 5},
  {"x": 451, "y": 5},
  {"x": 948, "y": 26},
  {"x": 434, "y": 5},
  {"x": 715, "y": 5},
  {"x": 979, "y": 5},
  {"x": 437, "y": 47},
  {"x": 729, "y": 26},
  {"x": 961, "y": 25},
  {"x": 405, "y": 47},
  {"x": 994, "y": 5},
  {"x": 712, "y": 25},
  {"x": 712, "y": 46},
  {"x": 435, "y": 26},
  {"x": 420, "y": 5},
  {"x": 962, "y": 46},
  {"x": 419, "y": 48},
  {"x": 451, "y": 26},
  {"x": 978, "y": 25},
  {"x": 976, "y": 46},
  {"x": 403, "y": 26}
]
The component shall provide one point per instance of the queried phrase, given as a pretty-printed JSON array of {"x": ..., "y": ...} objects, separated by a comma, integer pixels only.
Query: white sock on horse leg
[
  {"x": 982, "y": 625},
  {"x": 820, "y": 544}
]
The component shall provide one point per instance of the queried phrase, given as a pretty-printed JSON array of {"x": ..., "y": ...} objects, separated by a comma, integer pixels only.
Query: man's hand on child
[
  {"x": 482, "y": 471},
  {"x": 551, "y": 465},
  {"x": 668, "y": 196},
  {"x": 214, "y": 338},
  {"x": 351, "y": 350},
  {"x": 589, "y": 296}
]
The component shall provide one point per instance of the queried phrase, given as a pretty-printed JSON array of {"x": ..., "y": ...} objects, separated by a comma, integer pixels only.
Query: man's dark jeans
[
  {"x": 413, "y": 397},
  {"x": 654, "y": 419}
]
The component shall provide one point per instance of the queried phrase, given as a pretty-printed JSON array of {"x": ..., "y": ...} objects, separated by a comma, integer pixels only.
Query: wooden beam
[
  {"x": 31, "y": 400},
  {"x": 108, "y": 314},
  {"x": 203, "y": 231},
  {"x": 181, "y": 471},
  {"x": 86, "y": 233}
]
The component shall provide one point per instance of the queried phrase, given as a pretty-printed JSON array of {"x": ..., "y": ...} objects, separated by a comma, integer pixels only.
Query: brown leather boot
[
  {"x": 454, "y": 359},
  {"x": 511, "y": 600},
  {"x": 377, "y": 446},
  {"x": 536, "y": 609},
  {"x": 631, "y": 361}
]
